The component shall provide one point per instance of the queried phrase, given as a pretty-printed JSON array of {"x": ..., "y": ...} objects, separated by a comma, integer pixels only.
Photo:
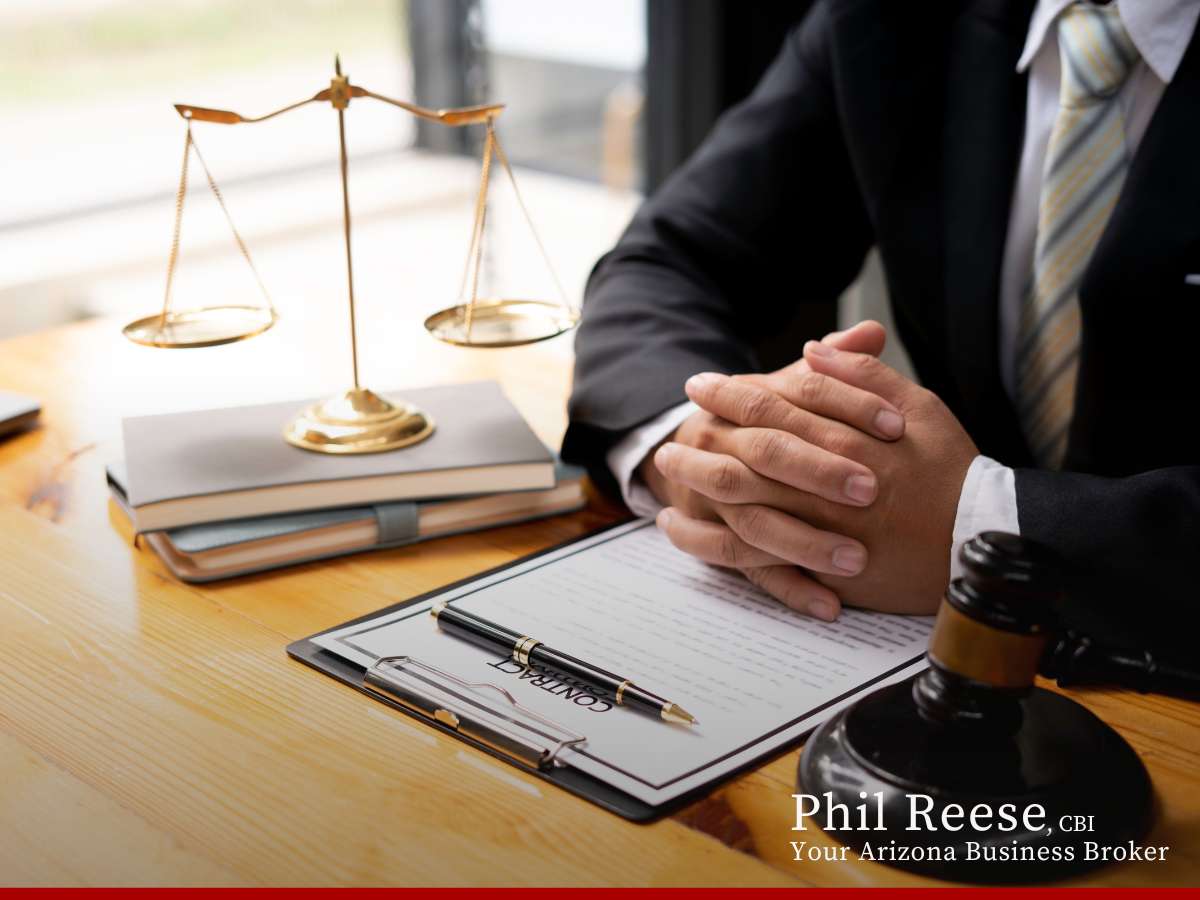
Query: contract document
[{"x": 756, "y": 675}]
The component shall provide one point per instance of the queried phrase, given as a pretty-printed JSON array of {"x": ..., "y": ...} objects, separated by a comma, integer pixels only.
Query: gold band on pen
[
  {"x": 528, "y": 648},
  {"x": 521, "y": 649},
  {"x": 621, "y": 691}
]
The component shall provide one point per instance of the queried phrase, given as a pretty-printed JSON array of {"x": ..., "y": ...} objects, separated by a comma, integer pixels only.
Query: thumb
[{"x": 868, "y": 337}]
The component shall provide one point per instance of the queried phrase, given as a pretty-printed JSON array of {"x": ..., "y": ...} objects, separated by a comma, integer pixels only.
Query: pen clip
[{"x": 470, "y": 709}]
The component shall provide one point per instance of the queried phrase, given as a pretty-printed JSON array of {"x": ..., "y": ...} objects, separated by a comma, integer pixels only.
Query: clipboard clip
[{"x": 480, "y": 711}]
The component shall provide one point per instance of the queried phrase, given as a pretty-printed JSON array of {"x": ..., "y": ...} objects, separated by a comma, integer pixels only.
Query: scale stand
[{"x": 359, "y": 420}]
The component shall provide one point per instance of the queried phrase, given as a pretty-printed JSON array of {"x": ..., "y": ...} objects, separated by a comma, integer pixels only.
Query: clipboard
[{"x": 487, "y": 718}]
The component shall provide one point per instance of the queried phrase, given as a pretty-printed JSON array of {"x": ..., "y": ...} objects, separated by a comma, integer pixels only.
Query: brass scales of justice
[{"x": 359, "y": 420}]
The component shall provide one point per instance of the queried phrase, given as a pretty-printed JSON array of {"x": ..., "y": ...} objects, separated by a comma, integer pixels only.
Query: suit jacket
[{"x": 879, "y": 126}]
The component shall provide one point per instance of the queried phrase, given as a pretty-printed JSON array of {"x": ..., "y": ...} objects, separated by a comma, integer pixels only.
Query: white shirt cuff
[
  {"x": 988, "y": 502},
  {"x": 627, "y": 454}
]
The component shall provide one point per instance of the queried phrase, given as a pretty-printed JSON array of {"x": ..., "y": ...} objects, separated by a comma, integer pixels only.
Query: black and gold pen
[{"x": 527, "y": 652}]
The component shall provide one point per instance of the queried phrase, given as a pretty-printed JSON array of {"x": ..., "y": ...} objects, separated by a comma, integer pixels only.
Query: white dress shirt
[{"x": 1161, "y": 31}]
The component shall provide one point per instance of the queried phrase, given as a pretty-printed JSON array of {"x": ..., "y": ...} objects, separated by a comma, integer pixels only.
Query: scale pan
[
  {"x": 211, "y": 326},
  {"x": 502, "y": 323}
]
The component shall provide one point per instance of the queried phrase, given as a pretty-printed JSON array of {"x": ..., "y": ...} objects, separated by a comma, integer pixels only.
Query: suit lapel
[
  {"x": 984, "y": 124},
  {"x": 1156, "y": 221},
  {"x": 1123, "y": 419}
]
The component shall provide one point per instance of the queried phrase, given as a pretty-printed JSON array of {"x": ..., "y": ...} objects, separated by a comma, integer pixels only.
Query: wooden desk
[{"x": 155, "y": 733}]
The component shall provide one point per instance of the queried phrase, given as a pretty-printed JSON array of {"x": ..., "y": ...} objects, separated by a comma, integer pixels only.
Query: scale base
[
  {"x": 358, "y": 421},
  {"x": 1062, "y": 757}
]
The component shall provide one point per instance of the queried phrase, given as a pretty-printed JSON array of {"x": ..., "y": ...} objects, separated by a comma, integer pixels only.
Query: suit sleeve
[
  {"x": 1129, "y": 544},
  {"x": 764, "y": 215}
]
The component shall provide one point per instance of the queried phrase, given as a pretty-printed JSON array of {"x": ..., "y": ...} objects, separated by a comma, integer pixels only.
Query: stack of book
[{"x": 218, "y": 493}]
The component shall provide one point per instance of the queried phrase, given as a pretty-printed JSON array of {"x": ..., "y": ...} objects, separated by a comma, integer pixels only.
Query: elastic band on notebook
[{"x": 398, "y": 522}]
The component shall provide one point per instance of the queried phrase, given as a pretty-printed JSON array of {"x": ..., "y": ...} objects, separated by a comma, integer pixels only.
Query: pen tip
[{"x": 675, "y": 713}]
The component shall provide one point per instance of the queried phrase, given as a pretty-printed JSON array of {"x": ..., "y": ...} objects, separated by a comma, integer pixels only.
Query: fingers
[
  {"x": 842, "y": 402},
  {"x": 718, "y": 545},
  {"x": 755, "y": 471},
  {"x": 860, "y": 370},
  {"x": 775, "y": 401},
  {"x": 796, "y": 591},
  {"x": 711, "y": 542},
  {"x": 793, "y": 540},
  {"x": 804, "y": 465},
  {"x": 763, "y": 533},
  {"x": 868, "y": 336},
  {"x": 742, "y": 401}
]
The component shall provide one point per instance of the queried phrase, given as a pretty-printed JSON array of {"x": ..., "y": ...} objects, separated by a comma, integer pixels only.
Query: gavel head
[{"x": 989, "y": 637}]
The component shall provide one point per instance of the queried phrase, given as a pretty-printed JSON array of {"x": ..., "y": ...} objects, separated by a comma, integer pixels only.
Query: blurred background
[{"x": 604, "y": 100}]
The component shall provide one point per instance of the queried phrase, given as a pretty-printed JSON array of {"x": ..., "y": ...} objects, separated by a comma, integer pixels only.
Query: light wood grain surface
[{"x": 156, "y": 733}]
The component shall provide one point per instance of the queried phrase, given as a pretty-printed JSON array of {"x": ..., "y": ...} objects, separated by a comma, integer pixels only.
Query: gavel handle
[{"x": 1076, "y": 659}]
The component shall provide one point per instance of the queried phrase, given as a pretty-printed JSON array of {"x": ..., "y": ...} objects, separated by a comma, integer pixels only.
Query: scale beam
[{"x": 455, "y": 117}]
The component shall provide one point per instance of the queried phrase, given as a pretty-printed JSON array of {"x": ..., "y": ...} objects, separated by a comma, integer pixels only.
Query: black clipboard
[{"x": 573, "y": 780}]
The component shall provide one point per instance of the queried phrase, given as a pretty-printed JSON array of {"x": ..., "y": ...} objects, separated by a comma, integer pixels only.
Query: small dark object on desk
[
  {"x": 17, "y": 413},
  {"x": 1078, "y": 659}
]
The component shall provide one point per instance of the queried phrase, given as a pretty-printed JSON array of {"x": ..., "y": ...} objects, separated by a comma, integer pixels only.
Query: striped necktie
[{"x": 1086, "y": 161}]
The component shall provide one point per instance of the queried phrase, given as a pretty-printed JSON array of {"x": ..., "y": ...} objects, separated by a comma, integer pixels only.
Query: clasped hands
[{"x": 833, "y": 480}]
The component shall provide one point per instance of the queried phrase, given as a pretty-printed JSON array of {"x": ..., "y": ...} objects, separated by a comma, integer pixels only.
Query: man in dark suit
[{"x": 1028, "y": 172}]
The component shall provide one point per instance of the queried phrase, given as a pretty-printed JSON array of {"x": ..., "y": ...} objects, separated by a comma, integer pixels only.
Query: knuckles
[
  {"x": 838, "y": 441},
  {"x": 753, "y": 524},
  {"x": 725, "y": 479},
  {"x": 729, "y": 549},
  {"x": 767, "y": 449},
  {"x": 753, "y": 406},
  {"x": 812, "y": 389},
  {"x": 705, "y": 435}
]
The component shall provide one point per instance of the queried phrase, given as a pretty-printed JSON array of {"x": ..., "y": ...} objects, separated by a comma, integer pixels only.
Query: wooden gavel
[
  {"x": 991, "y": 633},
  {"x": 998, "y": 627},
  {"x": 974, "y": 731}
]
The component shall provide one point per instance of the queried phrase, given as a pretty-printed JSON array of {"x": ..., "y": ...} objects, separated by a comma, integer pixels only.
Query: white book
[{"x": 220, "y": 464}]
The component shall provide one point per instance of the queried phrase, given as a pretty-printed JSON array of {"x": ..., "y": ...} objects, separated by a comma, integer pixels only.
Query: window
[
  {"x": 573, "y": 71},
  {"x": 91, "y": 148}
]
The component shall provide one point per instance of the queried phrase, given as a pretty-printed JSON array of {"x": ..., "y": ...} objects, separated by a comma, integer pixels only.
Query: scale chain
[
  {"x": 475, "y": 247},
  {"x": 190, "y": 146},
  {"x": 180, "y": 195},
  {"x": 233, "y": 228},
  {"x": 537, "y": 239},
  {"x": 475, "y": 250}
]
